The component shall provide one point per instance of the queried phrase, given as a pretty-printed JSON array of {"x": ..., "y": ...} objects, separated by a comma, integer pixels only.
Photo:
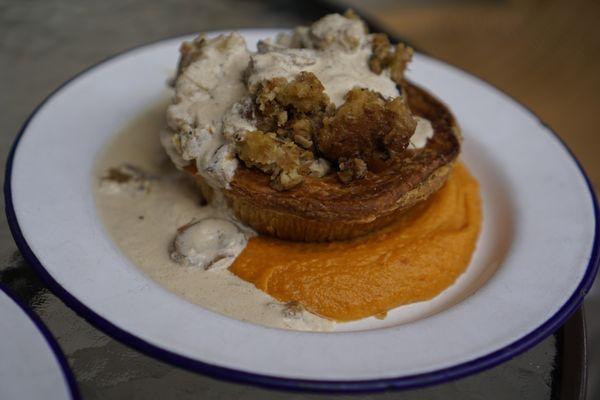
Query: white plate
[
  {"x": 32, "y": 365},
  {"x": 535, "y": 261}
]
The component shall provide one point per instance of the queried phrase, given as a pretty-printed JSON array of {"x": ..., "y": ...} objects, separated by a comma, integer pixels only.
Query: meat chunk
[{"x": 365, "y": 127}]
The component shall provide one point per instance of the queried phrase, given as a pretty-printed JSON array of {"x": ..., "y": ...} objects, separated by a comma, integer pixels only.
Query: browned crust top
[{"x": 378, "y": 193}]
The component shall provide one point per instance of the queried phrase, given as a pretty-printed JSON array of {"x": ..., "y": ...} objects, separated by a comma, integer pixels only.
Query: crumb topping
[
  {"x": 277, "y": 156},
  {"x": 322, "y": 97},
  {"x": 366, "y": 127},
  {"x": 385, "y": 56},
  {"x": 293, "y": 110}
]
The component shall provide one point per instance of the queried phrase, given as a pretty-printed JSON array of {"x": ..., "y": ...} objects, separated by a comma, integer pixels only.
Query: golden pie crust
[{"x": 324, "y": 209}]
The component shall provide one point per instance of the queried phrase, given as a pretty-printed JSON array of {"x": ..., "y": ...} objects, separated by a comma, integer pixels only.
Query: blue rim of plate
[
  {"x": 302, "y": 385},
  {"x": 67, "y": 374}
]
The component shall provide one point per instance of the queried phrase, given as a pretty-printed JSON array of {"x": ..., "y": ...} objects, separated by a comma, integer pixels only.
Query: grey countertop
[{"x": 42, "y": 44}]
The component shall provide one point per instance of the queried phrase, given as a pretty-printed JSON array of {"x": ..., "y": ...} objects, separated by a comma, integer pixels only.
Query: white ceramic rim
[
  {"x": 526, "y": 300},
  {"x": 44, "y": 362}
]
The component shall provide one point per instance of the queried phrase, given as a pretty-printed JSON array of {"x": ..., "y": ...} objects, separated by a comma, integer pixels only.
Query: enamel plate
[
  {"x": 32, "y": 365},
  {"x": 536, "y": 257}
]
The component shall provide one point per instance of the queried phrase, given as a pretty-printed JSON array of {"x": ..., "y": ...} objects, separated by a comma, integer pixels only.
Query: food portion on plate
[{"x": 314, "y": 185}]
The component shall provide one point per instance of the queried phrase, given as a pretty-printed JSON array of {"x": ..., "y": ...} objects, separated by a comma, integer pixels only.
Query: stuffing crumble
[
  {"x": 279, "y": 157},
  {"x": 366, "y": 127},
  {"x": 320, "y": 98},
  {"x": 293, "y": 110},
  {"x": 386, "y": 56}
]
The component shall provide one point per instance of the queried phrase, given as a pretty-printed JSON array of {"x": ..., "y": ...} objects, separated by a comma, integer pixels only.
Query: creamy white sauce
[
  {"x": 338, "y": 52},
  {"x": 134, "y": 181},
  {"x": 143, "y": 224},
  {"x": 204, "y": 91},
  {"x": 339, "y": 72},
  {"x": 423, "y": 132},
  {"x": 235, "y": 121}
]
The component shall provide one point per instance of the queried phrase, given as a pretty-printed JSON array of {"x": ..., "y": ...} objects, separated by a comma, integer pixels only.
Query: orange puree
[{"x": 411, "y": 260}]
